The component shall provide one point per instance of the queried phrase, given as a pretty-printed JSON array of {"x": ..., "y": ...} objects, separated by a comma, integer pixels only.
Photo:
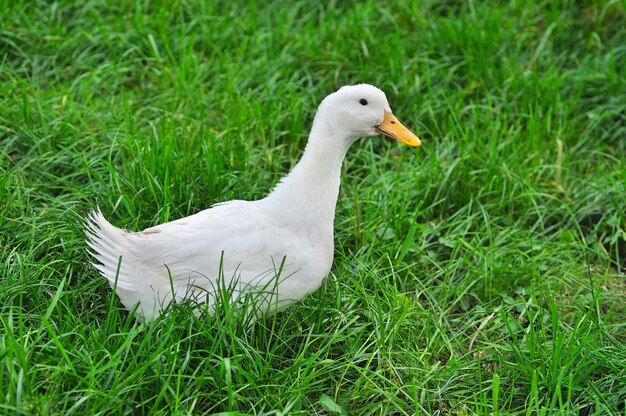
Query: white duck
[{"x": 280, "y": 245}]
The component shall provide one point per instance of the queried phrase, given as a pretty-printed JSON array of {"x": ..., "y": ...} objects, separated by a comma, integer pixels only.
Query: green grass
[{"x": 483, "y": 273}]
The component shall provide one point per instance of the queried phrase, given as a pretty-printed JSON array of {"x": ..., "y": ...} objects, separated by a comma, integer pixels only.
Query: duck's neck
[{"x": 312, "y": 187}]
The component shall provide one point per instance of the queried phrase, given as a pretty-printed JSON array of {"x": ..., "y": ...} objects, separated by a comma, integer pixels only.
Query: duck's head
[{"x": 362, "y": 110}]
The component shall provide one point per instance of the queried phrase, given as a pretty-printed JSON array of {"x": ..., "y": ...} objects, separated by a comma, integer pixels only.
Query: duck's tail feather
[{"x": 108, "y": 246}]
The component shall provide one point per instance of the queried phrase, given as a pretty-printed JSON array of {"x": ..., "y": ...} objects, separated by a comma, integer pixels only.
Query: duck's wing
[{"x": 232, "y": 245}]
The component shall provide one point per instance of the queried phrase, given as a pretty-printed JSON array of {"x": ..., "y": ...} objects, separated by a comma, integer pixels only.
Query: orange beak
[{"x": 392, "y": 127}]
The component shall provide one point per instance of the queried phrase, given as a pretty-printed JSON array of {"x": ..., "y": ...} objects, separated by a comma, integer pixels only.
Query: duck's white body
[{"x": 280, "y": 246}]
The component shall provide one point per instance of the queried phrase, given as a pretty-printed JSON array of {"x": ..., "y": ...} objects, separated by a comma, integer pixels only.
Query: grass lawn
[{"x": 483, "y": 273}]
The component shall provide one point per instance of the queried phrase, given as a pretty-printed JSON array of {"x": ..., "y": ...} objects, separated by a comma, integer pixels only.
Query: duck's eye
[{"x": 363, "y": 101}]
